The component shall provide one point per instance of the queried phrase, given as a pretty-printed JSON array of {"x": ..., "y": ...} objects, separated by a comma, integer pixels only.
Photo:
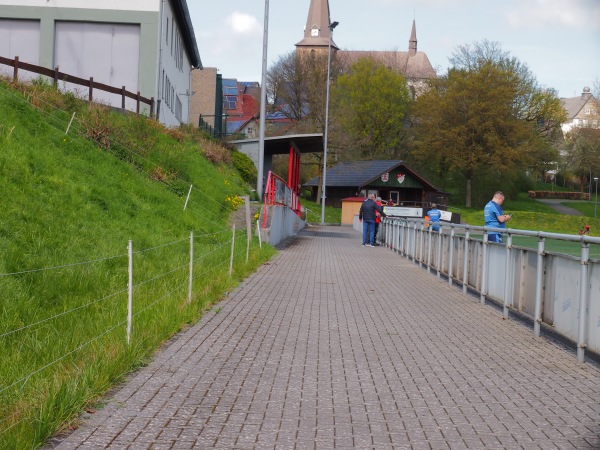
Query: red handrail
[{"x": 275, "y": 196}]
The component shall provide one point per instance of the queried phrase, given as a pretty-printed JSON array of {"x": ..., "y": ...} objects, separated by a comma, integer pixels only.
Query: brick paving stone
[{"x": 331, "y": 345}]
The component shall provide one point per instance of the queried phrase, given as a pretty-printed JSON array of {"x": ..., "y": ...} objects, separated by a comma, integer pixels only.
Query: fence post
[
  {"x": 188, "y": 197},
  {"x": 137, "y": 106},
  {"x": 16, "y": 70},
  {"x": 123, "y": 98},
  {"x": 232, "y": 250},
  {"x": 466, "y": 262},
  {"x": 258, "y": 232},
  {"x": 70, "y": 122},
  {"x": 91, "y": 90},
  {"x": 191, "y": 266},
  {"x": 56, "y": 76},
  {"x": 508, "y": 277},
  {"x": 248, "y": 226},
  {"x": 451, "y": 256},
  {"x": 537, "y": 317},
  {"x": 484, "y": 267},
  {"x": 151, "y": 107},
  {"x": 130, "y": 291},
  {"x": 583, "y": 296}
]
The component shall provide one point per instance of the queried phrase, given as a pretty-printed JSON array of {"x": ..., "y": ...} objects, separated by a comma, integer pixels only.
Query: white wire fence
[{"x": 154, "y": 286}]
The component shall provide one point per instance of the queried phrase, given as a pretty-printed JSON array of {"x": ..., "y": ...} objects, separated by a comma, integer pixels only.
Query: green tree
[
  {"x": 371, "y": 104},
  {"x": 486, "y": 119},
  {"x": 296, "y": 86},
  {"x": 582, "y": 153}
]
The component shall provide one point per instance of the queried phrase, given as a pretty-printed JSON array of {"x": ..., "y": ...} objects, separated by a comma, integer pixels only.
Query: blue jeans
[
  {"x": 494, "y": 237},
  {"x": 368, "y": 227}
]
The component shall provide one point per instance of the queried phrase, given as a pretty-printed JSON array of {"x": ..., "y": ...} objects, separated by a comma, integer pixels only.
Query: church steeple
[
  {"x": 412, "y": 42},
  {"x": 316, "y": 32}
]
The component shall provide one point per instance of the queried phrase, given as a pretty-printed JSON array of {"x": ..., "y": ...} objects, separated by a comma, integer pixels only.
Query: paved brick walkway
[{"x": 335, "y": 345}]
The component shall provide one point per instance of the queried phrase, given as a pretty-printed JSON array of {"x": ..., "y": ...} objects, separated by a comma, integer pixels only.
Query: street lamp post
[
  {"x": 596, "y": 201},
  {"x": 331, "y": 27},
  {"x": 263, "y": 106}
]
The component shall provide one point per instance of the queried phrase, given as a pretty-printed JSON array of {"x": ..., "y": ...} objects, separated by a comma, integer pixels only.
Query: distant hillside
[{"x": 70, "y": 204}]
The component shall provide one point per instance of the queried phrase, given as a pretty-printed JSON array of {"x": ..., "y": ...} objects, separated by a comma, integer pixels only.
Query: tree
[
  {"x": 296, "y": 86},
  {"x": 582, "y": 153},
  {"x": 487, "y": 118},
  {"x": 371, "y": 103}
]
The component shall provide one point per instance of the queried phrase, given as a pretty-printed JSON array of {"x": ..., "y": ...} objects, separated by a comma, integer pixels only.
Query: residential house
[
  {"x": 145, "y": 46},
  {"x": 582, "y": 111}
]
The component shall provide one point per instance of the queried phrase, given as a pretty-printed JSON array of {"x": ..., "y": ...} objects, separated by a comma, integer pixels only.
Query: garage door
[
  {"x": 20, "y": 38},
  {"x": 107, "y": 52}
]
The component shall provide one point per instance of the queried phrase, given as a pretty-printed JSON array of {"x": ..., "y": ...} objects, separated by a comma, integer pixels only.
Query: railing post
[
  {"x": 451, "y": 256},
  {"x": 151, "y": 107},
  {"x": 191, "y": 267},
  {"x": 16, "y": 70},
  {"x": 429, "y": 249},
  {"x": 130, "y": 291},
  {"x": 422, "y": 236},
  {"x": 484, "y": 267},
  {"x": 137, "y": 106},
  {"x": 507, "y": 277},
  {"x": 583, "y": 297},
  {"x": 537, "y": 317},
  {"x": 123, "y": 98},
  {"x": 91, "y": 90},
  {"x": 466, "y": 261},
  {"x": 56, "y": 76},
  {"x": 439, "y": 253}
]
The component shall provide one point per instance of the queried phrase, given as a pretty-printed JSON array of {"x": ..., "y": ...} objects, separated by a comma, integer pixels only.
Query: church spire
[
  {"x": 316, "y": 31},
  {"x": 412, "y": 42}
]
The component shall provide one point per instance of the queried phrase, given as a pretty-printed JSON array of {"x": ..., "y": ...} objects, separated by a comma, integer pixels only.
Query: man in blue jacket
[
  {"x": 494, "y": 216},
  {"x": 367, "y": 216}
]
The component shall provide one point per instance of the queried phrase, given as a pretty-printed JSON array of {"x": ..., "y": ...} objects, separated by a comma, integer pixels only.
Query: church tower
[
  {"x": 316, "y": 31},
  {"x": 412, "y": 42}
]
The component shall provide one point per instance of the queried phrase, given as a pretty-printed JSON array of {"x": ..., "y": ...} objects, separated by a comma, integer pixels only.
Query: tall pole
[
  {"x": 596, "y": 201},
  {"x": 324, "y": 181},
  {"x": 263, "y": 106}
]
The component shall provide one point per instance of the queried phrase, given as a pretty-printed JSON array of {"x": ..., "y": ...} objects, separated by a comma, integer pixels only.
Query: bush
[
  {"x": 559, "y": 195},
  {"x": 245, "y": 166}
]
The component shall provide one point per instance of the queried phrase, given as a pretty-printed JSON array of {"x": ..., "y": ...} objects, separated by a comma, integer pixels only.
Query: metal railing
[
  {"x": 549, "y": 287},
  {"x": 277, "y": 192}
]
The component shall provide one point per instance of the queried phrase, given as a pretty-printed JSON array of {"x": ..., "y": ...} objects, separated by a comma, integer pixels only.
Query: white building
[
  {"x": 145, "y": 45},
  {"x": 582, "y": 111}
]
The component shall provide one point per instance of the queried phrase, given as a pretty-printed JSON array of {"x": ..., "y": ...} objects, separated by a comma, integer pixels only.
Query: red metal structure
[{"x": 278, "y": 192}]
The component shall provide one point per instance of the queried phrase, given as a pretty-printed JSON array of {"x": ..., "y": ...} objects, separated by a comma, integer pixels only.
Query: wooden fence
[{"x": 57, "y": 75}]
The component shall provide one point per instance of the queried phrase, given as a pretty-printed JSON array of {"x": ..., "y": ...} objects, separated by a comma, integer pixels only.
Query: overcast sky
[{"x": 558, "y": 39}]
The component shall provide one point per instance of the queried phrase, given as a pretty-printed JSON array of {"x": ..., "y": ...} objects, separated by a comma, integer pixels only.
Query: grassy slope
[{"x": 64, "y": 201}]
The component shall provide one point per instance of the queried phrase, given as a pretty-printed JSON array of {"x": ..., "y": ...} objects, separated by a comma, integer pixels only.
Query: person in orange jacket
[{"x": 377, "y": 218}]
